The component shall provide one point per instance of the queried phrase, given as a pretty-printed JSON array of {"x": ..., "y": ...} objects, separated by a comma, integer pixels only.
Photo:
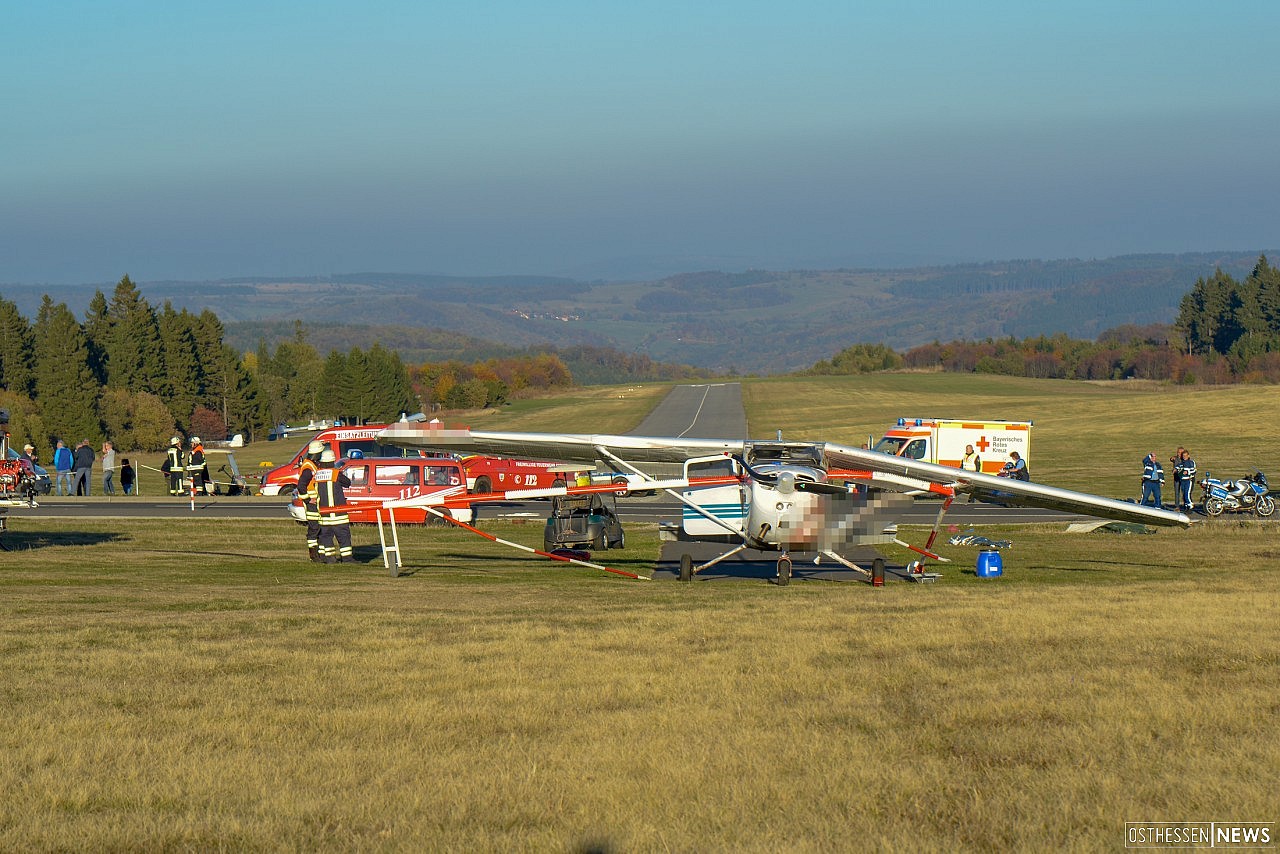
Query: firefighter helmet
[
  {"x": 175, "y": 441},
  {"x": 315, "y": 447},
  {"x": 328, "y": 456},
  {"x": 195, "y": 440}
]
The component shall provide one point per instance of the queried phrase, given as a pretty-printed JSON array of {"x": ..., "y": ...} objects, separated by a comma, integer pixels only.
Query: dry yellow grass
[
  {"x": 244, "y": 700},
  {"x": 1087, "y": 436}
]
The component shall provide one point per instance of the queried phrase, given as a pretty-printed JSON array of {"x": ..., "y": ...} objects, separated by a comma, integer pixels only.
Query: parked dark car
[{"x": 583, "y": 521}]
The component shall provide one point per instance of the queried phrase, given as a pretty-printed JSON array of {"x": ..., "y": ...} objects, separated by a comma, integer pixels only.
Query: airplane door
[{"x": 727, "y": 503}]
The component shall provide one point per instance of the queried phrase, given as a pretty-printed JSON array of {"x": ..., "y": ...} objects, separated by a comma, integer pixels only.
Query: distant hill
[{"x": 755, "y": 321}]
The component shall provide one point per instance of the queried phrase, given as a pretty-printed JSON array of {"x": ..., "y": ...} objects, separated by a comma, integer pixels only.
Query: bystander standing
[
  {"x": 108, "y": 468},
  {"x": 62, "y": 464}
]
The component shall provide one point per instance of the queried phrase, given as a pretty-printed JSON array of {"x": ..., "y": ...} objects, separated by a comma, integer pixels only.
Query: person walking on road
[
  {"x": 1152, "y": 478},
  {"x": 62, "y": 464}
]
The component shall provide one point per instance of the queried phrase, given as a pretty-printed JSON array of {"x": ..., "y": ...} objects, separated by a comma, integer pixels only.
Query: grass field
[
  {"x": 195, "y": 685},
  {"x": 1087, "y": 436}
]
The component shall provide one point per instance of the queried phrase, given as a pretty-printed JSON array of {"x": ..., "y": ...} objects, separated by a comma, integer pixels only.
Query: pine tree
[
  {"x": 65, "y": 386},
  {"x": 233, "y": 392},
  {"x": 182, "y": 389},
  {"x": 135, "y": 354},
  {"x": 97, "y": 329},
  {"x": 1268, "y": 279},
  {"x": 333, "y": 383},
  {"x": 392, "y": 392},
  {"x": 17, "y": 353}
]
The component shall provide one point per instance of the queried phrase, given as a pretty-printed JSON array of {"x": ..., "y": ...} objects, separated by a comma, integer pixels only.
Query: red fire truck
[
  {"x": 343, "y": 440},
  {"x": 378, "y": 479},
  {"x": 483, "y": 474},
  {"x": 496, "y": 474}
]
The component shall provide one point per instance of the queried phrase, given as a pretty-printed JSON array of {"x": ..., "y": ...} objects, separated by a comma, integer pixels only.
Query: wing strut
[
  {"x": 530, "y": 549},
  {"x": 706, "y": 514}
]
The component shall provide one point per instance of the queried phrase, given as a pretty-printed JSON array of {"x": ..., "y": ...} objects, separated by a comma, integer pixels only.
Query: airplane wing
[
  {"x": 566, "y": 447},
  {"x": 1002, "y": 490},
  {"x": 584, "y": 447}
]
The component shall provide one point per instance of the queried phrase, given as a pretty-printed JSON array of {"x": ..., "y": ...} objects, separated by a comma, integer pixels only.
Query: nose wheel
[{"x": 784, "y": 571}]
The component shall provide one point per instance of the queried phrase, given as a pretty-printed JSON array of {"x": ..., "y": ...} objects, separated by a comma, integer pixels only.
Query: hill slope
[{"x": 753, "y": 321}]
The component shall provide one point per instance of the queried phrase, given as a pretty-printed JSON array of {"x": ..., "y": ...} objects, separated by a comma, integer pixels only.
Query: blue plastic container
[{"x": 989, "y": 564}]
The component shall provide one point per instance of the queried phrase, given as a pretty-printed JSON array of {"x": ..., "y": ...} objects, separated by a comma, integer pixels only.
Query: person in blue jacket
[
  {"x": 1184, "y": 472},
  {"x": 62, "y": 463},
  {"x": 1152, "y": 478}
]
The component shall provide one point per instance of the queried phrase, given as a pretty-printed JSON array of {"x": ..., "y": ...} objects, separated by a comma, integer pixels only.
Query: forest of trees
[
  {"x": 138, "y": 375},
  {"x": 1226, "y": 331}
]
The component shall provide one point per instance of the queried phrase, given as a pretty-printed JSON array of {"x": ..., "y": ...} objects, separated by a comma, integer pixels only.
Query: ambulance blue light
[
  {"x": 902, "y": 422},
  {"x": 919, "y": 422}
]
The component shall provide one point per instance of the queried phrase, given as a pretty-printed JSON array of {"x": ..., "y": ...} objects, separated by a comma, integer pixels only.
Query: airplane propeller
[{"x": 786, "y": 482}]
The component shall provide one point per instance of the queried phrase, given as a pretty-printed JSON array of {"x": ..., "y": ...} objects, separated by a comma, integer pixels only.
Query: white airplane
[{"x": 776, "y": 496}]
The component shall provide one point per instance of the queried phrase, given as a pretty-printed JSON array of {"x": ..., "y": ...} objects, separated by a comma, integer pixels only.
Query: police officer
[
  {"x": 1184, "y": 472},
  {"x": 335, "y": 525},
  {"x": 173, "y": 466},
  {"x": 307, "y": 489},
  {"x": 1152, "y": 478}
]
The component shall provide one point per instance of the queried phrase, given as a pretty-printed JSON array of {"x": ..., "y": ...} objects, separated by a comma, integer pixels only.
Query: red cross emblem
[{"x": 982, "y": 444}]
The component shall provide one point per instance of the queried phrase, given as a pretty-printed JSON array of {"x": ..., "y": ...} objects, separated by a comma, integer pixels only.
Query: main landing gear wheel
[
  {"x": 877, "y": 568},
  {"x": 784, "y": 571},
  {"x": 686, "y": 567}
]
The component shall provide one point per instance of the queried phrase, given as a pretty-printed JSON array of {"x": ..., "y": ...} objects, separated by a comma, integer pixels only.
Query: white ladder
[{"x": 390, "y": 553}]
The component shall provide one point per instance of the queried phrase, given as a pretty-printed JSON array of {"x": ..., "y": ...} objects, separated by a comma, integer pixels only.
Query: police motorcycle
[{"x": 1249, "y": 494}]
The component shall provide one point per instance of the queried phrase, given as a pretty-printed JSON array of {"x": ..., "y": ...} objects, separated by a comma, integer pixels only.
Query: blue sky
[{"x": 183, "y": 141}]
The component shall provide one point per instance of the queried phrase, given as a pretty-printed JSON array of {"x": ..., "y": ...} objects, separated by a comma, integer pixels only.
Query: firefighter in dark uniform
[
  {"x": 197, "y": 469},
  {"x": 174, "y": 466},
  {"x": 335, "y": 526},
  {"x": 307, "y": 489}
]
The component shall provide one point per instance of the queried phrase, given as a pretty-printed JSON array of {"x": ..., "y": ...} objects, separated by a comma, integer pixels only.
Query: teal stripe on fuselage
[{"x": 722, "y": 511}]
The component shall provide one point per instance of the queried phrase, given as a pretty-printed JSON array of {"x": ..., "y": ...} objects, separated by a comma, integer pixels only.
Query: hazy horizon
[{"x": 171, "y": 142}]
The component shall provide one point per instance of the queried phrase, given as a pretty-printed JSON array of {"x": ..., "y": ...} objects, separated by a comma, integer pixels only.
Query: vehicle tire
[
  {"x": 784, "y": 571},
  {"x": 1213, "y": 506},
  {"x": 1265, "y": 506},
  {"x": 548, "y": 546},
  {"x": 483, "y": 485},
  {"x": 597, "y": 542},
  {"x": 686, "y": 567},
  {"x": 620, "y": 542},
  {"x": 434, "y": 521}
]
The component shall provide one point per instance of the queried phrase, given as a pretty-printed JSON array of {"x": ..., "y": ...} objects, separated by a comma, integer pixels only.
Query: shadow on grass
[{"x": 17, "y": 541}]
